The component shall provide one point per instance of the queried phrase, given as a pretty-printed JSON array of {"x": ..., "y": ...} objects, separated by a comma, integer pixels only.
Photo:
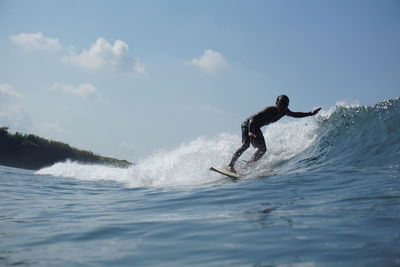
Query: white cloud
[
  {"x": 16, "y": 117},
  {"x": 6, "y": 89},
  {"x": 104, "y": 55},
  {"x": 211, "y": 109},
  {"x": 82, "y": 90},
  {"x": 211, "y": 62},
  {"x": 127, "y": 146},
  {"x": 35, "y": 41},
  {"x": 51, "y": 127}
]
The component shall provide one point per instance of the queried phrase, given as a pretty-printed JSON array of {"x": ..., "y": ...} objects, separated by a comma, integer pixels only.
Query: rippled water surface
[{"x": 326, "y": 194}]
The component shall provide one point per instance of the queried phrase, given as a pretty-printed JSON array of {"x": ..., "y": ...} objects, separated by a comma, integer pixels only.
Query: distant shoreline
[{"x": 32, "y": 152}]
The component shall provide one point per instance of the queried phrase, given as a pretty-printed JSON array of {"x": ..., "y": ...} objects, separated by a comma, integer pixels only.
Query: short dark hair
[{"x": 283, "y": 97}]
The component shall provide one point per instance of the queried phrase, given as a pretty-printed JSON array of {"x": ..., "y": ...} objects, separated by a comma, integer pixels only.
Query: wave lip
[{"x": 361, "y": 136}]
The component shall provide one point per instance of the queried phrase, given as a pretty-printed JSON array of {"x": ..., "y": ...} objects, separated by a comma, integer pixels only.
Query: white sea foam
[{"x": 188, "y": 164}]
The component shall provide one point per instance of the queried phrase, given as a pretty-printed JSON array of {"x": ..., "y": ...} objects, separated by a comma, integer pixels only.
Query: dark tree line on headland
[{"x": 29, "y": 151}]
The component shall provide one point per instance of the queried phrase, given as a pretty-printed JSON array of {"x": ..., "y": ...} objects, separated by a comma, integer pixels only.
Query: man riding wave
[{"x": 251, "y": 128}]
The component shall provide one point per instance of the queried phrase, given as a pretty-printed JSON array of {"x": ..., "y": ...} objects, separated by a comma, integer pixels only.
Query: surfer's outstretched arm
[{"x": 302, "y": 114}]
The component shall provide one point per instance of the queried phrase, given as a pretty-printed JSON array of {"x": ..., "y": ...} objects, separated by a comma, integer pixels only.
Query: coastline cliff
[{"x": 32, "y": 152}]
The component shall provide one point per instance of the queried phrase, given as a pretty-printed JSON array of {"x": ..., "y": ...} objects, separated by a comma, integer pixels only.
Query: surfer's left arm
[{"x": 302, "y": 114}]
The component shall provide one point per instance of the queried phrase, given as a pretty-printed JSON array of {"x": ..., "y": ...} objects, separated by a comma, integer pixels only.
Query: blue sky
[{"x": 125, "y": 78}]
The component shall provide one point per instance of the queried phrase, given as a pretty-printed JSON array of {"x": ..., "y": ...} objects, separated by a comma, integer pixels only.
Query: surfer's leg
[
  {"x": 238, "y": 153},
  {"x": 245, "y": 145},
  {"x": 258, "y": 155},
  {"x": 259, "y": 143}
]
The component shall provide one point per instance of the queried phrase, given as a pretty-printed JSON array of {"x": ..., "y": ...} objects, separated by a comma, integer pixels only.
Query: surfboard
[{"x": 225, "y": 172}]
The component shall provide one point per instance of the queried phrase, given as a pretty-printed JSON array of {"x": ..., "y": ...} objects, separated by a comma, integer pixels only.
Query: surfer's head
[{"x": 282, "y": 102}]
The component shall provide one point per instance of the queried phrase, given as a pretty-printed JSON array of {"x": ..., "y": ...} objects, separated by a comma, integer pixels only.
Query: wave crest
[{"x": 347, "y": 135}]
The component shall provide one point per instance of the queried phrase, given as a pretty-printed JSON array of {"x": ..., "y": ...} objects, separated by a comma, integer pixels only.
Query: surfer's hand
[
  {"x": 252, "y": 134},
  {"x": 315, "y": 111}
]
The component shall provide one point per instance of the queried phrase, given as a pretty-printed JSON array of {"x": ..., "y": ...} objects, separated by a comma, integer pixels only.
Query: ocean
[{"x": 326, "y": 193}]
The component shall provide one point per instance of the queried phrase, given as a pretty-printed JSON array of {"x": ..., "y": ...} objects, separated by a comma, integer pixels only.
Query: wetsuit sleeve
[{"x": 298, "y": 114}]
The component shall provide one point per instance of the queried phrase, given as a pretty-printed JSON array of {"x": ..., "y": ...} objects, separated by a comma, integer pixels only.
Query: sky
[{"x": 128, "y": 78}]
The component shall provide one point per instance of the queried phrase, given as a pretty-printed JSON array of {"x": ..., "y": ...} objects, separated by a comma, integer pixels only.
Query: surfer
[{"x": 251, "y": 132}]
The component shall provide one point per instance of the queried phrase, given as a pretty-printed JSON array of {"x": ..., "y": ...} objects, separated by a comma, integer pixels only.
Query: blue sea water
[{"x": 327, "y": 193}]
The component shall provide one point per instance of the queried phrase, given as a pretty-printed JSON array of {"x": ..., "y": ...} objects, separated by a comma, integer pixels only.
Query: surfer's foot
[{"x": 231, "y": 169}]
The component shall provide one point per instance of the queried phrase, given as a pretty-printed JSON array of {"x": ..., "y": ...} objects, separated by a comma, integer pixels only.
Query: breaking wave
[{"x": 344, "y": 136}]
